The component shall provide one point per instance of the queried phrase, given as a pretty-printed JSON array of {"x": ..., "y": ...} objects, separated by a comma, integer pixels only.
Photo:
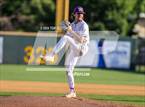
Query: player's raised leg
[{"x": 62, "y": 42}]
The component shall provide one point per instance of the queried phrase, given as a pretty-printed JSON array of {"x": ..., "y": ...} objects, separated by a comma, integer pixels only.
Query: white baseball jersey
[{"x": 81, "y": 28}]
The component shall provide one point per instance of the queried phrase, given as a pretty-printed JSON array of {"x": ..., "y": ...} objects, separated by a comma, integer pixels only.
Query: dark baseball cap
[{"x": 79, "y": 9}]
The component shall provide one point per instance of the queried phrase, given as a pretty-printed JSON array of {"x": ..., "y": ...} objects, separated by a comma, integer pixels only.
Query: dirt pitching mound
[{"x": 37, "y": 101}]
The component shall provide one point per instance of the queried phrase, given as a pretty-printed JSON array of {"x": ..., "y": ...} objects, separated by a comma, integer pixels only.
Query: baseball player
[{"x": 77, "y": 37}]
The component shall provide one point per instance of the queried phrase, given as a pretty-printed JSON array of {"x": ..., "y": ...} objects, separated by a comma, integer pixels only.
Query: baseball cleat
[
  {"x": 42, "y": 56},
  {"x": 49, "y": 58},
  {"x": 71, "y": 95}
]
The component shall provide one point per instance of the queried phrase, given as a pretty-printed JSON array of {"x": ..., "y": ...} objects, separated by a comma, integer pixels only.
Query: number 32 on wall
[{"x": 32, "y": 56}]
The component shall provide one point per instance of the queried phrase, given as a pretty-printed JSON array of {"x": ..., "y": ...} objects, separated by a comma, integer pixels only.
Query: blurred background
[
  {"x": 20, "y": 20},
  {"x": 28, "y": 15}
]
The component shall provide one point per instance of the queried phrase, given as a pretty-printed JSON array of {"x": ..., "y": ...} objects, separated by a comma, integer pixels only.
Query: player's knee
[{"x": 65, "y": 37}]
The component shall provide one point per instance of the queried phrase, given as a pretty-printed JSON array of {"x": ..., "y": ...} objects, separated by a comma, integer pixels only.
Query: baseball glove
[{"x": 64, "y": 25}]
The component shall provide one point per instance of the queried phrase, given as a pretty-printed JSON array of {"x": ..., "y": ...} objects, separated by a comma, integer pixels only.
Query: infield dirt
[{"x": 53, "y": 87}]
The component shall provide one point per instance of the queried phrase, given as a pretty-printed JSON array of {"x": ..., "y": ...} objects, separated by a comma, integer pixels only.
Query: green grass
[
  {"x": 98, "y": 76},
  {"x": 135, "y": 100}
]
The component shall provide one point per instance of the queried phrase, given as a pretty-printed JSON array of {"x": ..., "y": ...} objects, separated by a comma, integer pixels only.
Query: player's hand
[
  {"x": 69, "y": 29},
  {"x": 83, "y": 40}
]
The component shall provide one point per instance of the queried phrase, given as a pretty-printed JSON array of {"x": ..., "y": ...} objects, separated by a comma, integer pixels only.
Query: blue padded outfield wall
[{"x": 18, "y": 49}]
